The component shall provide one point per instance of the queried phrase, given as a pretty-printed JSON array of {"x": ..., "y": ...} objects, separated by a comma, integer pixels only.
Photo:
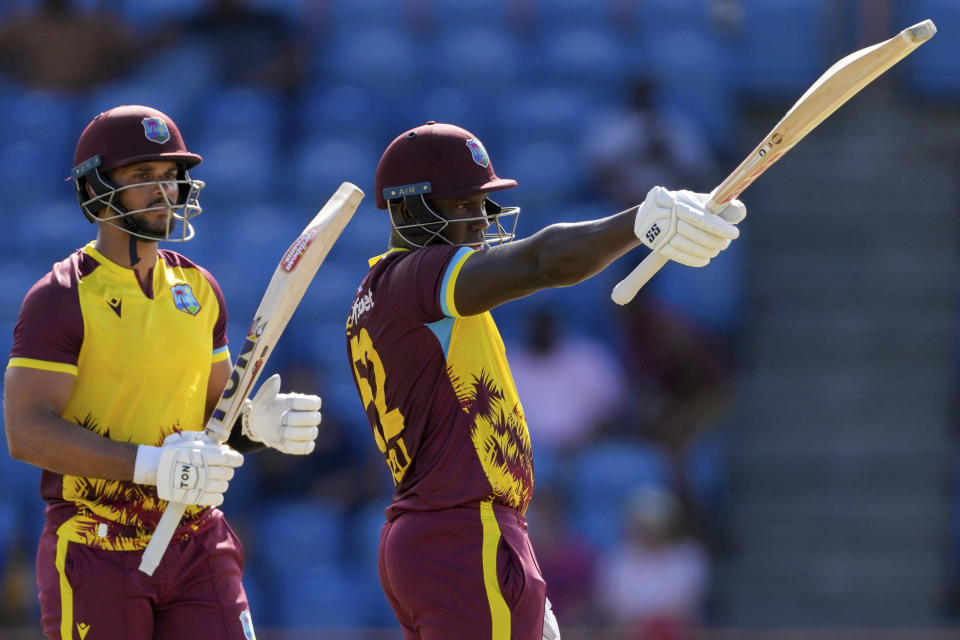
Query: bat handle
[
  {"x": 161, "y": 537},
  {"x": 627, "y": 288}
]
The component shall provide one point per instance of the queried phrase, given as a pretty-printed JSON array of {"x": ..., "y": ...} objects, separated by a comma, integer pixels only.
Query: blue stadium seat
[
  {"x": 243, "y": 113},
  {"x": 656, "y": 16},
  {"x": 453, "y": 14},
  {"x": 236, "y": 170},
  {"x": 714, "y": 298},
  {"x": 292, "y": 10},
  {"x": 309, "y": 531},
  {"x": 55, "y": 228},
  {"x": 591, "y": 58},
  {"x": 342, "y": 109},
  {"x": 605, "y": 474},
  {"x": 347, "y": 15},
  {"x": 557, "y": 111},
  {"x": 548, "y": 173},
  {"x": 47, "y": 120},
  {"x": 319, "y": 165},
  {"x": 168, "y": 87},
  {"x": 324, "y": 597},
  {"x": 692, "y": 71},
  {"x": 705, "y": 468},
  {"x": 785, "y": 71},
  {"x": 35, "y": 169},
  {"x": 455, "y": 104},
  {"x": 386, "y": 59},
  {"x": 475, "y": 57},
  {"x": 593, "y": 13},
  {"x": 152, "y": 16}
]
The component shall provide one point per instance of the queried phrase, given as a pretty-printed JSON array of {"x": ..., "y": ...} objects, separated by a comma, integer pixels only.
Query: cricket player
[
  {"x": 429, "y": 364},
  {"x": 119, "y": 356}
]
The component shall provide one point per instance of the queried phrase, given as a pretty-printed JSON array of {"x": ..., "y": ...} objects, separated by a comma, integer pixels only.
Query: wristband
[{"x": 145, "y": 469}]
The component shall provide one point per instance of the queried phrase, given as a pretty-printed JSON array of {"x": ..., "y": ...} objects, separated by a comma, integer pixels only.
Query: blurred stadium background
[{"x": 825, "y": 491}]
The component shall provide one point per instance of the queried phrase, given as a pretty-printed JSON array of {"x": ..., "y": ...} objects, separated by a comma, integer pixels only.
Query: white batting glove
[
  {"x": 679, "y": 226},
  {"x": 551, "y": 631},
  {"x": 188, "y": 468},
  {"x": 285, "y": 421}
]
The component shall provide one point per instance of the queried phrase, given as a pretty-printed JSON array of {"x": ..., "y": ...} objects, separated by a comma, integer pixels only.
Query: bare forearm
[
  {"x": 568, "y": 253},
  {"x": 64, "y": 447}
]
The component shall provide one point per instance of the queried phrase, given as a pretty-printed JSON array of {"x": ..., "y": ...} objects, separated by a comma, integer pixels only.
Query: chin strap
[{"x": 134, "y": 258}]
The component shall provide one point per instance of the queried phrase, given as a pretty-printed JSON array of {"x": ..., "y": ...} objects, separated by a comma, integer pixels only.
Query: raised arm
[
  {"x": 556, "y": 256},
  {"x": 672, "y": 222}
]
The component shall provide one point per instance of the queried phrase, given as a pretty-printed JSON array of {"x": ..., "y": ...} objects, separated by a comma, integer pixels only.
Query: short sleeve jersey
[
  {"x": 141, "y": 357},
  {"x": 436, "y": 386}
]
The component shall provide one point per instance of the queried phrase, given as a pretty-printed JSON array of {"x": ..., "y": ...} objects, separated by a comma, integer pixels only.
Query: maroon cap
[
  {"x": 129, "y": 134},
  {"x": 439, "y": 159}
]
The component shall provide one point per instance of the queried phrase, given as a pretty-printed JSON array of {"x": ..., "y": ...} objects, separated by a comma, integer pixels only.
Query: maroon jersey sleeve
[
  {"x": 50, "y": 324},
  {"x": 414, "y": 281}
]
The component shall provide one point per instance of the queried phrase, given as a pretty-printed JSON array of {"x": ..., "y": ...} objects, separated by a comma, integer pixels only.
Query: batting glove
[
  {"x": 285, "y": 421},
  {"x": 551, "y": 631},
  {"x": 681, "y": 228},
  {"x": 188, "y": 468}
]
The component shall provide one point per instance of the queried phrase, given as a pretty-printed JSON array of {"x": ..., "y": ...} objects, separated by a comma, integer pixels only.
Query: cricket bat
[
  {"x": 838, "y": 84},
  {"x": 284, "y": 292}
]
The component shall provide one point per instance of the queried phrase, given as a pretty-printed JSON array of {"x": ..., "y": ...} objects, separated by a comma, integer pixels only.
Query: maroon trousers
[
  {"x": 467, "y": 573},
  {"x": 196, "y": 592}
]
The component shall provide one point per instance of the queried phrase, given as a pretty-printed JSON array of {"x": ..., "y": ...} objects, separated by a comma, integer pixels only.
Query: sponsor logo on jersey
[
  {"x": 478, "y": 152},
  {"x": 156, "y": 130},
  {"x": 83, "y": 629},
  {"x": 114, "y": 304},
  {"x": 184, "y": 299},
  {"x": 361, "y": 306}
]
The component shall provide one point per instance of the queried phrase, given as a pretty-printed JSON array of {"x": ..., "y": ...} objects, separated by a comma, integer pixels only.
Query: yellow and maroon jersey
[
  {"x": 436, "y": 386},
  {"x": 141, "y": 357}
]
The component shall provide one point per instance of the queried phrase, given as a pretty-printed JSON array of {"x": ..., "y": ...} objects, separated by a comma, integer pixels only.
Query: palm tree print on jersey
[
  {"x": 126, "y": 503},
  {"x": 499, "y": 435}
]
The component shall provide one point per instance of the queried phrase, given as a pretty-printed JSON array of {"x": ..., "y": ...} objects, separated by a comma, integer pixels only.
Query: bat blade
[
  {"x": 286, "y": 288},
  {"x": 831, "y": 90}
]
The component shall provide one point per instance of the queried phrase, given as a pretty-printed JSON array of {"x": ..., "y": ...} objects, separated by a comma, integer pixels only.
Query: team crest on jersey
[
  {"x": 184, "y": 299},
  {"x": 246, "y": 621},
  {"x": 478, "y": 152},
  {"x": 156, "y": 130}
]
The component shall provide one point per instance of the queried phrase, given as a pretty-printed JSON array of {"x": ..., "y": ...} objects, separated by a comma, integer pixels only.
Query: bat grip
[
  {"x": 161, "y": 537},
  {"x": 627, "y": 288}
]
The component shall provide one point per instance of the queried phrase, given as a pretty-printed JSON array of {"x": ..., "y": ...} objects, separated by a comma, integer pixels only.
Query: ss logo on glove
[{"x": 653, "y": 232}]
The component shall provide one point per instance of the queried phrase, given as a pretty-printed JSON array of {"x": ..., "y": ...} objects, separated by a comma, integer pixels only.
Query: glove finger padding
[
  {"x": 195, "y": 470},
  {"x": 704, "y": 239},
  {"x": 301, "y": 418},
  {"x": 691, "y": 248},
  {"x": 303, "y": 402},
  {"x": 285, "y": 421},
  {"x": 300, "y": 434},
  {"x": 298, "y": 448},
  {"x": 734, "y": 212},
  {"x": 685, "y": 259},
  {"x": 709, "y": 223}
]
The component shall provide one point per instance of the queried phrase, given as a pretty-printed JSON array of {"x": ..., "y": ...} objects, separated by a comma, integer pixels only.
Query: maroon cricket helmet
[
  {"x": 435, "y": 160},
  {"x": 128, "y": 134}
]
